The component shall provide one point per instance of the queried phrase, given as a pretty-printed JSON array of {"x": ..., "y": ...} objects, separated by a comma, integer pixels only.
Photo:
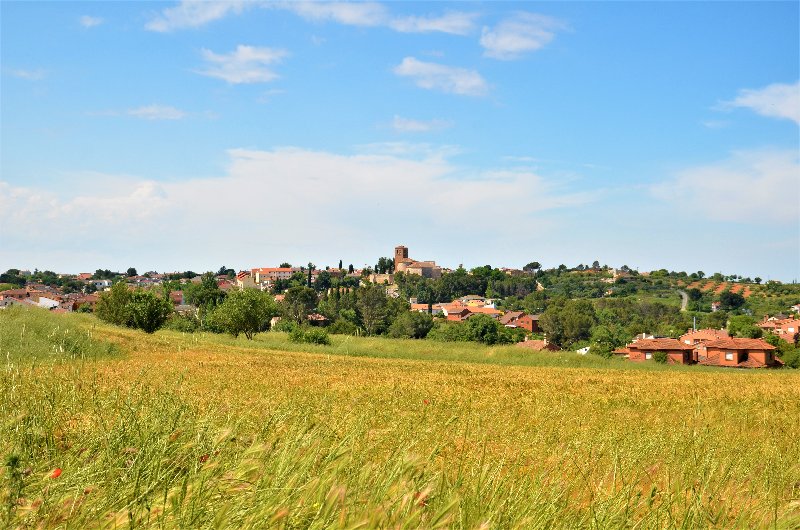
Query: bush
[
  {"x": 411, "y": 325},
  {"x": 660, "y": 357},
  {"x": 185, "y": 324},
  {"x": 343, "y": 327},
  {"x": 309, "y": 335},
  {"x": 285, "y": 325}
]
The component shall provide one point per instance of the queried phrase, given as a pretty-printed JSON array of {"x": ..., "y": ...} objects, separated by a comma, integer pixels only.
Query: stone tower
[{"x": 400, "y": 253}]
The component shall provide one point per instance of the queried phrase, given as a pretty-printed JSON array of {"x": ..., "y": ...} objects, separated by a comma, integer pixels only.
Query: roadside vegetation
[{"x": 199, "y": 430}]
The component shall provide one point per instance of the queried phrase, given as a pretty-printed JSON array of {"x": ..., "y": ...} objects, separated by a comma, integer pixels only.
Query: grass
[{"x": 190, "y": 431}]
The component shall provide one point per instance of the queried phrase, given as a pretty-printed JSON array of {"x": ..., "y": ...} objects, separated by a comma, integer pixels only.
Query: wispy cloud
[
  {"x": 455, "y": 22},
  {"x": 193, "y": 14},
  {"x": 450, "y": 79},
  {"x": 247, "y": 64},
  {"x": 155, "y": 217},
  {"x": 29, "y": 75},
  {"x": 89, "y": 22},
  {"x": 749, "y": 187},
  {"x": 350, "y": 13},
  {"x": 157, "y": 112},
  {"x": 513, "y": 37},
  {"x": 774, "y": 101},
  {"x": 406, "y": 125}
]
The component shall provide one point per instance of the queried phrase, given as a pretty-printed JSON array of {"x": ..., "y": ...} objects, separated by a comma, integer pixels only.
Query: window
[
  {"x": 728, "y": 356},
  {"x": 648, "y": 355}
]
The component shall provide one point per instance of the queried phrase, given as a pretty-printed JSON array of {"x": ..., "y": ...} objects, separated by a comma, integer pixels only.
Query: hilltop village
[{"x": 656, "y": 316}]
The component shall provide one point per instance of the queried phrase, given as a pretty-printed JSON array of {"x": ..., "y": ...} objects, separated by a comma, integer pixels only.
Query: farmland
[{"x": 203, "y": 431}]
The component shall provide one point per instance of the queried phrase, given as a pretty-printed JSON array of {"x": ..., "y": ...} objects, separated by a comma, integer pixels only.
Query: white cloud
[
  {"x": 750, "y": 187},
  {"x": 193, "y": 14},
  {"x": 775, "y": 101},
  {"x": 450, "y": 79},
  {"x": 29, "y": 75},
  {"x": 525, "y": 32},
  {"x": 247, "y": 64},
  {"x": 350, "y": 13},
  {"x": 406, "y": 125},
  {"x": 89, "y": 22},
  {"x": 455, "y": 22},
  {"x": 283, "y": 201},
  {"x": 157, "y": 112}
]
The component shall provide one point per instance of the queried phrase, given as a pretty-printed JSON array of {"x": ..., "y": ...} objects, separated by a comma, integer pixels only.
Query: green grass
[
  {"x": 34, "y": 335},
  {"x": 200, "y": 431}
]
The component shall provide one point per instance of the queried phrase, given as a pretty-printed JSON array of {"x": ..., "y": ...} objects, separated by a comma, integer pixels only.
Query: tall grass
[
  {"x": 189, "y": 432},
  {"x": 29, "y": 334}
]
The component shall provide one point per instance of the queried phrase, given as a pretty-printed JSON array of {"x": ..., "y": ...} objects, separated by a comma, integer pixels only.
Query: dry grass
[{"x": 201, "y": 433}]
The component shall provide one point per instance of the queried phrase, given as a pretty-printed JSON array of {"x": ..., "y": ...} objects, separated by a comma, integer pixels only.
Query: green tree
[
  {"x": 112, "y": 306},
  {"x": 568, "y": 322},
  {"x": 131, "y": 272},
  {"x": 744, "y": 326},
  {"x": 147, "y": 312},
  {"x": 533, "y": 266},
  {"x": 411, "y": 325},
  {"x": 731, "y": 300},
  {"x": 660, "y": 357},
  {"x": 299, "y": 302},
  {"x": 247, "y": 311},
  {"x": 694, "y": 294},
  {"x": 372, "y": 306}
]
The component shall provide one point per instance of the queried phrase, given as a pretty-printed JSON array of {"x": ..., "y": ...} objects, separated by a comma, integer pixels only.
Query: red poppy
[
  {"x": 203, "y": 458},
  {"x": 56, "y": 473},
  {"x": 426, "y": 402}
]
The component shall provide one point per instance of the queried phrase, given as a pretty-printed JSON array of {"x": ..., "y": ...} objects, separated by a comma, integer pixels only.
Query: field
[{"x": 106, "y": 427}]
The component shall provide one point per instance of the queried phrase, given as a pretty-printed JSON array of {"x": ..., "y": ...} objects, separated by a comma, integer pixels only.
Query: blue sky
[{"x": 190, "y": 135}]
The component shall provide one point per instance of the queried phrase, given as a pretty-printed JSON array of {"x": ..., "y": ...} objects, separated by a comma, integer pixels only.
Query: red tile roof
[
  {"x": 659, "y": 344},
  {"x": 740, "y": 344}
]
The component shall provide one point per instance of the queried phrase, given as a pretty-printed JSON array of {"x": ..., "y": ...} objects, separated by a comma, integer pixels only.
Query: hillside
[{"x": 175, "y": 430}]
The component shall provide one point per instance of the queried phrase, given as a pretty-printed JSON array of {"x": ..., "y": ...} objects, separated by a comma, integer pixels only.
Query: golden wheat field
[{"x": 200, "y": 431}]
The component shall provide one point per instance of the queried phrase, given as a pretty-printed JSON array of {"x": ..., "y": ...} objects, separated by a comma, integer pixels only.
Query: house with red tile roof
[
  {"x": 693, "y": 337},
  {"x": 643, "y": 350},
  {"x": 786, "y": 328},
  {"x": 738, "y": 353}
]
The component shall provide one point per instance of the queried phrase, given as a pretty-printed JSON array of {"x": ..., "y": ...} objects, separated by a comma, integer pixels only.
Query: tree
[
  {"x": 757, "y": 280},
  {"x": 285, "y": 265},
  {"x": 567, "y": 322},
  {"x": 372, "y": 305},
  {"x": 694, "y": 294},
  {"x": 247, "y": 311},
  {"x": 350, "y": 269},
  {"x": 744, "y": 326},
  {"x": 485, "y": 329},
  {"x": 131, "y": 272},
  {"x": 147, "y": 312},
  {"x": 340, "y": 264},
  {"x": 112, "y": 307},
  {"x": 205, "y": 294},
  {"x": 731, "y": 300},
  {"x": 324, "y": 281},
  {"x": 299, "y": 302},
  {"x": 533, "y": 266},
  {"x": 660, "y": 357},
  {"x": 411, "y": 325},
  {"x": 311, "y": 268}
]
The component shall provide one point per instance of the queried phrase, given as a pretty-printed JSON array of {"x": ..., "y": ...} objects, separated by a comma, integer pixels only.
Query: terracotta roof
[
  {"x": 484, "y": 310},
  {"x": 510, "y": 316},
  {"x": 740, "y": 344},
  {"x": 659, "y": 344},
  {"x": 704, "y": 335}
]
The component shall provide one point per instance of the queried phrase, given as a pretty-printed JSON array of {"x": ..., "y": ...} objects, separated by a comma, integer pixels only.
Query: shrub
[
  {"x": 285, "y": 325},
  {"x": 185, "y": 324},
  {"x": 343, "y": 327},
  {"x": 411, "y": 325},
  {"x": 660, "y": 357},
  {"x": 309, "y": 335}
]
